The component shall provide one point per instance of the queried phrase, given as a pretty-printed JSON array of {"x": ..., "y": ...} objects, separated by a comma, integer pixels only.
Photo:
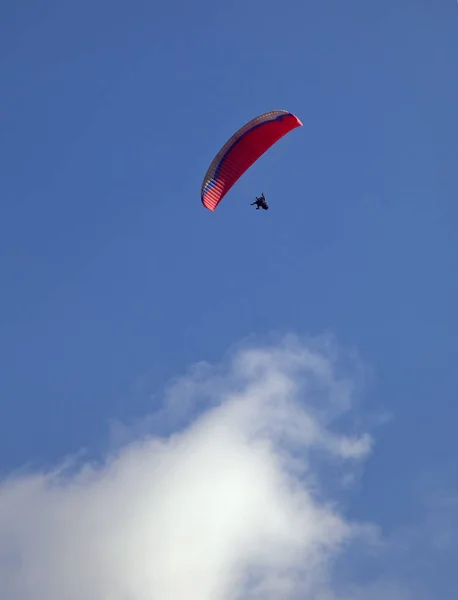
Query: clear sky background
[{"x": 115, "y": 279}]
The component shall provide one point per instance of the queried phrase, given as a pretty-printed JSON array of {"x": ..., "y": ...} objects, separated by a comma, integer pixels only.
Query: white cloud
[{"x": 228, "y": 505}]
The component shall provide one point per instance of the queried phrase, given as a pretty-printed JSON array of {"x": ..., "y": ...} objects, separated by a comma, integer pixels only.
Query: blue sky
[{"x": 115, "y": 279}]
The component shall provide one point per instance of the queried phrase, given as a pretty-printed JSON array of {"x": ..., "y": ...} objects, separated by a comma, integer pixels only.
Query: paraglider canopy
[{"x": 243, "y": 149}]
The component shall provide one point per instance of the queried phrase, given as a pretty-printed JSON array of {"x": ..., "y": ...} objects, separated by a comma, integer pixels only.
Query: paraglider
[
  {"x": 260, "y": 203},
  {"x": 243, "y": 149}
]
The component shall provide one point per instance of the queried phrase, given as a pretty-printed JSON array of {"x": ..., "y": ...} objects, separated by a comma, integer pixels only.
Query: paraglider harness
[{"x": 260, "y": 203}]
